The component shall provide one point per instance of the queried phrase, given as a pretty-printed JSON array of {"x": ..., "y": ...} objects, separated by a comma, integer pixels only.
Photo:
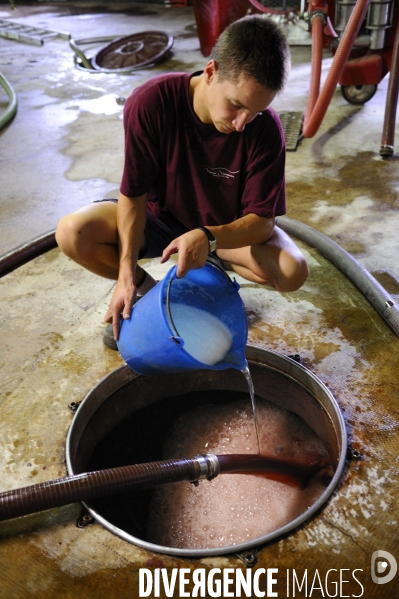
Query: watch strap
[{"x": 211, "y": 238}]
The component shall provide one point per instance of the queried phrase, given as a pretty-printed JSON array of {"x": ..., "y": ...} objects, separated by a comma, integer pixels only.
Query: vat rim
[{"x": 254, "y": 354}]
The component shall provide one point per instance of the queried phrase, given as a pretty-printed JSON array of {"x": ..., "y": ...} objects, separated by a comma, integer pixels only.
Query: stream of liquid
[
  {"x": 208, "y": 340},
  {"x": 250, "y": 383}
]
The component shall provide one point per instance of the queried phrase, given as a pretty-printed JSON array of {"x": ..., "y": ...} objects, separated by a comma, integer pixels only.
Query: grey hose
[
  {"x": 368, "y": 285},
  {"x": 364, "y": 281},
  {"x": 75, "y": 45},
  {"x": 12, "y": 106}
]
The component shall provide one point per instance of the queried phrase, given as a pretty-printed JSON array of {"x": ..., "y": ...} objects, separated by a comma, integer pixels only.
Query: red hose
[
  {"x": 317, "y": 57},
  {"x": 284, "y": 471},
  {"x": 315, "y": 115},
  {"x": 388, "y": 131}
]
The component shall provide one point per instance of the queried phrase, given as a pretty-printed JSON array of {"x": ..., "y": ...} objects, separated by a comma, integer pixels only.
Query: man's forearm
[
  {"x": 131, "y": 218},
  {"x": 247, "y": 230}
]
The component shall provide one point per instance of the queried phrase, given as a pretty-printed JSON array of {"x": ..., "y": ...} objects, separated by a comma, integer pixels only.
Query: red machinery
[
  {"x": 363, "y": 36},
  {"x": 360, "y": 62}
]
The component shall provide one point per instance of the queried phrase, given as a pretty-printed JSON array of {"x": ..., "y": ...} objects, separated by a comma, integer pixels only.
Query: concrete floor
[{"x": 64, "y": 149}]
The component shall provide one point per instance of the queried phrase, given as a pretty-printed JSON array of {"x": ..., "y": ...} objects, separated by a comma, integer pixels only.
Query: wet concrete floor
[{"x": 64, "y": 149}]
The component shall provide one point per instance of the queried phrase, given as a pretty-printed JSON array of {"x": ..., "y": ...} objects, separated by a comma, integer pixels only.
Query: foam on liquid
[
  {"x": 206, "y": 338},
  {"x": 233, "y": 508}
]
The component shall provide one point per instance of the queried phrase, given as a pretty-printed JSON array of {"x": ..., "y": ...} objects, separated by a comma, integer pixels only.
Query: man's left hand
[{"x": 192, "y": 248}]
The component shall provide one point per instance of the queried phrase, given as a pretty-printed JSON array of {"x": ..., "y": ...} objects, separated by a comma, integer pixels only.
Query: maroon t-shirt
[{"x": 193, "y": 174}]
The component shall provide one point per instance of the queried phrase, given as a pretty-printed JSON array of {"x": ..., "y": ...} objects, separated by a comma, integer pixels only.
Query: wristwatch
[{"x": 211, "y": 238}]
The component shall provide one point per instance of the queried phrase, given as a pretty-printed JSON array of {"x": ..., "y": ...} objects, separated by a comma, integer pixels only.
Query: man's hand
[
  {"x": 130, "y": 220},
  {"x": 121, "y": 304},
  {"x": 192, "y": 248}
]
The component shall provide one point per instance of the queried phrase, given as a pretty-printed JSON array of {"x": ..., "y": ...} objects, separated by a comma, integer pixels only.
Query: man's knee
[
  {"x": 74, "y": 235},
  {"x": 66, "y": 234},
  {"x": 89, "y": 236},
  {"x": 288, "y": 262},
  {"x": 293, "y": 272}
]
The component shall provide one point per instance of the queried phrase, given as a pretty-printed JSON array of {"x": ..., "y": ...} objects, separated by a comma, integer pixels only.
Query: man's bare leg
[
  {"x": 278, "y": 262},
  {"x": 89, "y": 237}
]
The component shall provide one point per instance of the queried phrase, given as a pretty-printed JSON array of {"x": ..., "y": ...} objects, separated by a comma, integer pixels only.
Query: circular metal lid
[{"x": 133, "y": 52}]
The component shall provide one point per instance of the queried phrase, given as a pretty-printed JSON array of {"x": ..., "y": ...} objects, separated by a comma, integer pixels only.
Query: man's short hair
[{"x": 253, "y": 46}]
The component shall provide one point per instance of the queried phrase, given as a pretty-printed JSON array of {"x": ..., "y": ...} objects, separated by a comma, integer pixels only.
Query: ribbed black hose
[
  {"x": 113, "y": 481},
  {"x": 368, "y": 285},
  {"x": 27, "y": 251},
  {"x": 388, "y": 132},
  {"x": 90, "y": 485}
]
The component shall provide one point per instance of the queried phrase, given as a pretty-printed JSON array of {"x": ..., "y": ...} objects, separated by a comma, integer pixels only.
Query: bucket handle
[
  {"x": 215, "y": 262},
  {"x": 176, "y": 337}
]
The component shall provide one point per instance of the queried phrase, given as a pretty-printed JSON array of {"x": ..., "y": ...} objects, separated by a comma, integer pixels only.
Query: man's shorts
[{"x": 157, "y": 235}]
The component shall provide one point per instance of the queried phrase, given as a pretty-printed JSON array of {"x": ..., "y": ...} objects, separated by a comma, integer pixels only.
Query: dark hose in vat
[{"x": 101, "y": 483}]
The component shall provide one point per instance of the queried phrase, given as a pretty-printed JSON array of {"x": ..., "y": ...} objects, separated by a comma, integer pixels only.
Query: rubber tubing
[
  {"x": 12, "y": 106},
  {"x": 388, "y": 133},
  {"x": 315, "y": 114},
  {"x": 27, "y": 251},
  {"x": 364, "y": 281},
  {"x": 101, "y": 483}
]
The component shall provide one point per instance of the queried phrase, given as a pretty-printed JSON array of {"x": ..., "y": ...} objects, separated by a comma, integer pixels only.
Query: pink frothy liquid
[{"x": 233, "y": 508}]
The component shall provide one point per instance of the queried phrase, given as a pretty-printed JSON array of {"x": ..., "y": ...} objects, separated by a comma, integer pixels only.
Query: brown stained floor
[{"x": 63, "y": 149}]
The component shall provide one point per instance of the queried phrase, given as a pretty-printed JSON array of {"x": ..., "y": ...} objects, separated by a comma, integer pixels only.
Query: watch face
[{"x": 210, "y": 236}]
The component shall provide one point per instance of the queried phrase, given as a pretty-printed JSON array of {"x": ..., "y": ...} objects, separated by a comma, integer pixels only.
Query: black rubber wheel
[{"x": 358, "y": 94}]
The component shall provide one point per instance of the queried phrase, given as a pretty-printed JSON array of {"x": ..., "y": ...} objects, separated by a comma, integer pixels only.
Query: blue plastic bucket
[{"x": 206, "y": 305}]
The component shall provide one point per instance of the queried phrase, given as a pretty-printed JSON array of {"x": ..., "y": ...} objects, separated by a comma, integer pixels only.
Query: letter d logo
[{"x": 381, "y": 566}]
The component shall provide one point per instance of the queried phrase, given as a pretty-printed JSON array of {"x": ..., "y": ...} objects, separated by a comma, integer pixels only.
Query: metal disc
[
  {"x": 133, "y": 52},
  {"x": 358, "y": 94}
]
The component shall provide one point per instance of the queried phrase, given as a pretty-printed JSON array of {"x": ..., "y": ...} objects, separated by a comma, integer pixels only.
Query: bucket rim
[{"x": 234, "y": 357}]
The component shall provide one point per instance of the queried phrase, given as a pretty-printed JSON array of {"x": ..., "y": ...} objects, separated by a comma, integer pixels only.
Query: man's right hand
[
  {"x": 121, "y": 304},
  {"x": 131, "y": 218}
]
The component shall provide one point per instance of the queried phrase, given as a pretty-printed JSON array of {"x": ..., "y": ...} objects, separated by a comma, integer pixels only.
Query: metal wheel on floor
[
  {"x": 133, "y": 52},
  {"x": 358, "y": 94}
]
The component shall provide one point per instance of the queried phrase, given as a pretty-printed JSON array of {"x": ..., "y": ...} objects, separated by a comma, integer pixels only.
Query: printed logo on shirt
[{"x": 219, "y": 171}]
